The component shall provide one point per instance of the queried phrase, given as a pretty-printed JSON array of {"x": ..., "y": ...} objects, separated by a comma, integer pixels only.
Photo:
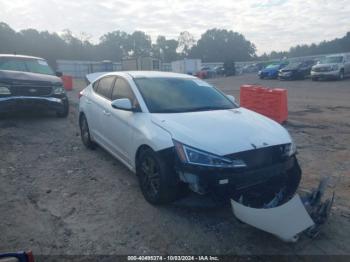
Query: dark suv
[{"x": 29, "y": 82}]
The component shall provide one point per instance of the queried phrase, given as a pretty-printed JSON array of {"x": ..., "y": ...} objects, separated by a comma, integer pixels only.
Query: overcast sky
[{"x": 269, "y": 24}]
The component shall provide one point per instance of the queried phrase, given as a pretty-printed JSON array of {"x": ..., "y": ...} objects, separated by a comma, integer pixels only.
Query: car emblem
[{"x": 32, "y": 90}]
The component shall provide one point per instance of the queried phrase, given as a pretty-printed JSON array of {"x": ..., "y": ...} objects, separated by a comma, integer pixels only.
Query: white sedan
[{"x": 174, "y": 130}]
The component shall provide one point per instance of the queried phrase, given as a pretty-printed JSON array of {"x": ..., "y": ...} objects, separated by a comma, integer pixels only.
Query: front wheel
[
  {"x": 65, "y": 111},
  {"x": 85, "y": 133},
  {"x": 156, "y": 178},
  {"x": 341, "y": 75}
]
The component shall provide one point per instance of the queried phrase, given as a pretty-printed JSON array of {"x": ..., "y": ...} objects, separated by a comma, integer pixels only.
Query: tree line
[
  {"x": 338, "y": 45},
  {"x": 215, "y": 45}
]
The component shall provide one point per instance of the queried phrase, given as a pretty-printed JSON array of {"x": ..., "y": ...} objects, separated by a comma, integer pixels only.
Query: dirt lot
[{"x": 59, "y": 198}]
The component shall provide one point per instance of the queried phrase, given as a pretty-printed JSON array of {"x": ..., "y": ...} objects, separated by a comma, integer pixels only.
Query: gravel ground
[{"x": 59, "y": 198}]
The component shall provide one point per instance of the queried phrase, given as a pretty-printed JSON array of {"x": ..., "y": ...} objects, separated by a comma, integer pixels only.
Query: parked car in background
[
  {"x": 174, "y": 130},
  {"x": 253, "y": 68},
  {"x": 230, "y": 68},
  {"x": 296, "y": 70},
  {"x": 271, "y": 71},
  {"x": 332, "y": 67},
  {"x": 206, "y": 72},
  {"x": 219, "y": 70},
  {"x": 28, "y": 82}
]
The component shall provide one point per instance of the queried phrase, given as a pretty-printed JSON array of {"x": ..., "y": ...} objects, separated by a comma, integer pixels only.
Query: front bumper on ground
[
  {"x": 15, "y": 103},
  {"x": 325, "y": 75}
]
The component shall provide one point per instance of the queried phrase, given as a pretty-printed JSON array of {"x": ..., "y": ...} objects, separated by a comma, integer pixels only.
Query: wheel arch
[
  {"x": 81, "y": 114},
  {"x": 139, "y": 150}
]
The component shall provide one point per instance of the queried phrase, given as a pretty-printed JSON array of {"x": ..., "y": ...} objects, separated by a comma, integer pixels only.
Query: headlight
[
  {"x": 4, "y": 90},
  {"x": 58, "y": 90},
  {"x": 198, "y": 157},
  {"x": 334, "y": 67},
  {"x": 291, "y": 149}
]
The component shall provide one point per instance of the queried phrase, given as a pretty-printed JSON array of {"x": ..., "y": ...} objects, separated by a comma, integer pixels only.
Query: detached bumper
[{"x": 16, "y": 103}]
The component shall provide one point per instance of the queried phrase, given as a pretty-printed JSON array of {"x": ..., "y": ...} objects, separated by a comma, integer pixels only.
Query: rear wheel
[
  {"x": 156, "y": 178},
  {"x": 85, "y": 133}
]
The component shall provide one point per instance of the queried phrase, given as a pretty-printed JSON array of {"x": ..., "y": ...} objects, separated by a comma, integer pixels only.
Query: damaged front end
[{"x": 262, "y": 191}]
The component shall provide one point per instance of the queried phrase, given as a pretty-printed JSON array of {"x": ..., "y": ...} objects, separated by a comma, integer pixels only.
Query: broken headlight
[
  {"x": 58, "y": 90},
  {"x": 198, "y": 157}
]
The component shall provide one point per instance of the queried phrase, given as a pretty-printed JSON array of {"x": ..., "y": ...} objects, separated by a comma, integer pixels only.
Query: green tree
[
  {"x": 221, "y": 45},
  {"x": 185, "y": 42},
  {"x": 165, "y": 49}
]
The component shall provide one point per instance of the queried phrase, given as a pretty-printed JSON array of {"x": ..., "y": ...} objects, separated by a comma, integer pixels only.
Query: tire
[
  {"x": 157, "y": 180},
  {"x": 65, "y": 111},
  {"x": 341, "y": 75},
  {"x": 85, "y": 133}
]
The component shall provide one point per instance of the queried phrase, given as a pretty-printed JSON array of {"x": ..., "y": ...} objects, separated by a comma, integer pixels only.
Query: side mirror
[
  {"x": 59, "y": 74},
  {"x": 122, "y": 104},
  {"x": 231, "y": 98}
]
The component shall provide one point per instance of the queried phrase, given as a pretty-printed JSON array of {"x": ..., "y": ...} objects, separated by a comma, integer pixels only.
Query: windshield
[
  {"x": 332, "y": 60},
  {"x": 293, "y": 65},
  {"x": 39, "y": 66},
  {"x": 272, "y": 66},
  {"x": 175, "y": 95}
]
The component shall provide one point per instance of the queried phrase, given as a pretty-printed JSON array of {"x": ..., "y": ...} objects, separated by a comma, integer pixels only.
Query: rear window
[{"x": 38, "y": 66}]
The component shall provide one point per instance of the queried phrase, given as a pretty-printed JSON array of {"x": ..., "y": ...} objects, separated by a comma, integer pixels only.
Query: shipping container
[{"x": 186, "y": 66}]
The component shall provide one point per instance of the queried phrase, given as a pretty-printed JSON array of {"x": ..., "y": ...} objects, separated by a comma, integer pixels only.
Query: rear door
[
  {"x": 121, "y": 123},
  {"x": 99, "y": 107}
]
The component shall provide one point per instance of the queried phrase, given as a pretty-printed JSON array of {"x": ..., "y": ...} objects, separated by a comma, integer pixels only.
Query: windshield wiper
[{"x": 207, "y": 108}]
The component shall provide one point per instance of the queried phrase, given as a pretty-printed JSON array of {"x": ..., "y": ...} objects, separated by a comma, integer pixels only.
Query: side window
[
  {"x": 122, "y": 90},
  {"x": 105, "y": 86}
]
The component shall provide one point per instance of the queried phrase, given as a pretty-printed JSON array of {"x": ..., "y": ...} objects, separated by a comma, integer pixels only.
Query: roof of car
[
  {"x": 20, "y": 56},
  {"x": 336, "y": 55},
  {"x": 138, "y": 74}
]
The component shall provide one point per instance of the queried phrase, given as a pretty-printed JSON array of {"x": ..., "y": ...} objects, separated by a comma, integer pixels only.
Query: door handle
[{"x": 107, "y": 113}]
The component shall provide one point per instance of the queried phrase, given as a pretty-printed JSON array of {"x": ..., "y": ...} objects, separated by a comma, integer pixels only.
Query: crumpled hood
[
  {"x": 9, "y": 76},
  {"x": 223, "y": 131}
]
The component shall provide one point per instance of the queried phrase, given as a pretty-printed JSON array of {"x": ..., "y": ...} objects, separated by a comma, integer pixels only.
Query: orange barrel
[
  {"x": 67, "y": 82},
  {"x": 266, "y": 101}
]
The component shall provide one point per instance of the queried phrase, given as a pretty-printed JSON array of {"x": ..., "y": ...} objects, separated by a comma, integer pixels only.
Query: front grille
[
  {"x": 262, "y": 157},
  {"x": 28, "y": 90}
]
